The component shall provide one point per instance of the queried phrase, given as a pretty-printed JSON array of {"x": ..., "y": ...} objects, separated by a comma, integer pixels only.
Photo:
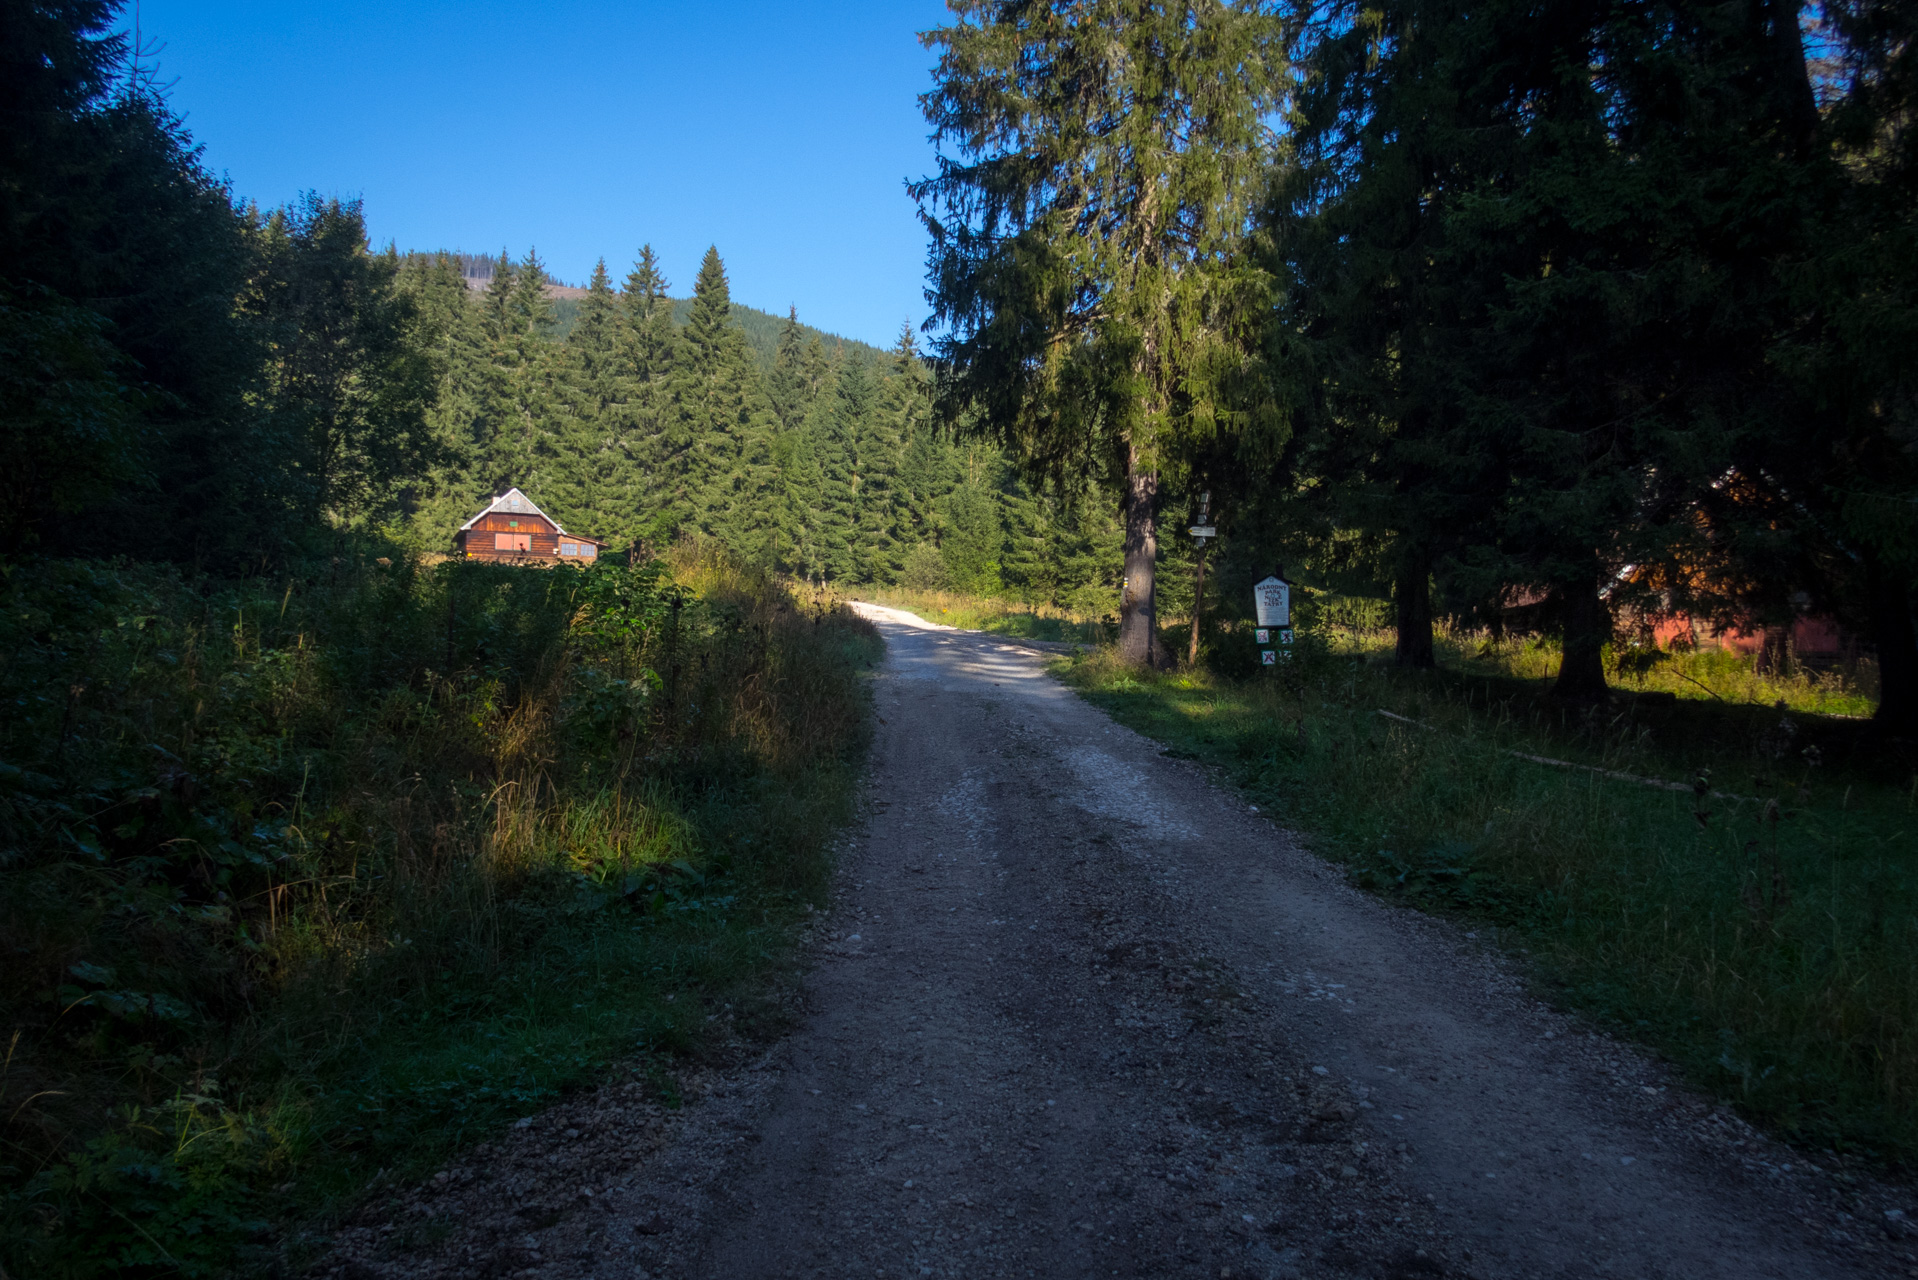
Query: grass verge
[
  {"x": 308, "y": 883},
  {"x": 1758, "y": 925},
  {"x": 1848, "y": 689}
]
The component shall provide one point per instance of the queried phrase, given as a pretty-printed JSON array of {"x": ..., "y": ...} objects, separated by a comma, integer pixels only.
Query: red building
[{"x": 513, "y": 528}]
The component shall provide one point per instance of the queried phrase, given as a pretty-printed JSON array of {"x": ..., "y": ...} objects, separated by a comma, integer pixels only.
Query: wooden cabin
[{"x": 513, "y": 528}]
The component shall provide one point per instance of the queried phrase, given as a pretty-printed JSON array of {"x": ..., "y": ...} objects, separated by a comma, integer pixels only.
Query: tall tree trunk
[
  {"x": 1198, "y": 610},
  {"x": 1775, "y": 657},
  {"x": 1896, "y": 639},
  {"x": 1138, "y": 610},
  {"x": 1581, "y": 670},
  {"x": 1412, "y": 595}
]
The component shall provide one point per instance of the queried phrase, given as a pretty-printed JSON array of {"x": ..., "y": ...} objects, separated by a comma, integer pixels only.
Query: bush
[
  {"x": 297, "y": 872},
  {"x": 925, "y": 569}
]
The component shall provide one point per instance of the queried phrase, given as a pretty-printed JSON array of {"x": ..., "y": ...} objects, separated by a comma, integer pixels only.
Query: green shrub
[{"x": 308, "y": 878}]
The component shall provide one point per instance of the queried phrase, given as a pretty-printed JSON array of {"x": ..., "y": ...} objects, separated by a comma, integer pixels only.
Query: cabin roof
[
  {"x": 519, "y": 504},
  {"x": 514, "y": 501}
]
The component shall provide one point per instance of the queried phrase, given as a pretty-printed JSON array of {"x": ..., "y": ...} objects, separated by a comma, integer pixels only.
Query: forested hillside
[
  {"x": 763, "y": 330},
  {"x": 637, "y": 425}
]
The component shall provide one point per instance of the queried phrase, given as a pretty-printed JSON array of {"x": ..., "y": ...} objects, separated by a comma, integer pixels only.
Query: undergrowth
[
  {"x": 1700, "y": 674},
  {"x": 1758, "y": 924},
  {"x": 308, "y": 882}
]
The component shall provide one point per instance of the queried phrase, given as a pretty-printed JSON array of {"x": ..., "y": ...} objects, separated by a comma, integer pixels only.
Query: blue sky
[{"x": 781, "y": 133}]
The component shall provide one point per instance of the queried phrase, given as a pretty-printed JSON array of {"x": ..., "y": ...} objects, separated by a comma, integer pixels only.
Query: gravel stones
[{"x": 1076, "y": 1013}]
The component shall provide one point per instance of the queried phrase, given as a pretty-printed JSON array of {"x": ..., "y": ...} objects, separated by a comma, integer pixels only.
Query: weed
[{"x": 308, "y": 879}]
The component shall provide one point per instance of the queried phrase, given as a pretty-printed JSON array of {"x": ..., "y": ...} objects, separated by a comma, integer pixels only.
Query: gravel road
[{"x": 1077, "y": 1011}]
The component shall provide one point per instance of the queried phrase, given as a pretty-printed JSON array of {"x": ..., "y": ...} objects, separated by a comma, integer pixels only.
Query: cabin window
[
  {"x": 512, "y": 542},
  {"x": 588, "y": 550},
  {"x": 569, "y": 548}
]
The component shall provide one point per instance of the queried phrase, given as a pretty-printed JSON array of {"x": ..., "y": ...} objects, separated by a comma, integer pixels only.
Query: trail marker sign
[{"x": 1273, "y": 599}]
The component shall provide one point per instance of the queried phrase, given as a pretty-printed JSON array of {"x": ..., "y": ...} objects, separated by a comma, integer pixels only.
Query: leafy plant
[{"x": 308, "y": 878}]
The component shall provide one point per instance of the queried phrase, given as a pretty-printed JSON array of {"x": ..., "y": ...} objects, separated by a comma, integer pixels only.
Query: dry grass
[{"x": 1845, "y": 689}]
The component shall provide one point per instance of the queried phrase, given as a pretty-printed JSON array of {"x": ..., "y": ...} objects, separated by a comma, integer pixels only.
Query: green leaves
[{"x": 622, "y": 605}]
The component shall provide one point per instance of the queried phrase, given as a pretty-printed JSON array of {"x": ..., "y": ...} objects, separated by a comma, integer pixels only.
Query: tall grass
[
  {"x": 1759, "y": 923},
  {"x": 309, "y": 880},
  {"x": 1848, "y": 688}
]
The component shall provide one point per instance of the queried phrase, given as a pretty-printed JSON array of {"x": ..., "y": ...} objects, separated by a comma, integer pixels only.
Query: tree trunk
[
  {"x": 1413, "y": 596},
  {"x": 1138, "y": 612},
  {"x": 1198, "y": 611},
  {"x": 1775, "y": 658},
  {"x": 1896, "y": 639},
  {"x": 1581, "y": 670}
]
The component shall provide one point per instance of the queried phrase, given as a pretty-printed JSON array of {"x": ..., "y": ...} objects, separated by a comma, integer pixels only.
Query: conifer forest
[
  {"x": 1548, "y": 351},
  {"x": 819, "y": 458}
]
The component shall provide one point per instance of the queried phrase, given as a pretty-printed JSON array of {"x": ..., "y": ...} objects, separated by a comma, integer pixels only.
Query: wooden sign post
[{"x": 1200, "y": 532}]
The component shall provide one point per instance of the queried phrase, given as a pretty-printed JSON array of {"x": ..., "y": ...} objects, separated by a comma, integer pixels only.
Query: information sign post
[{"x": 1272, "y": 601}]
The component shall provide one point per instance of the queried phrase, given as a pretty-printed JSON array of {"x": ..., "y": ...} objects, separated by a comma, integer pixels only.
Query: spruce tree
[
  {"x": 529, "y": 303},
  {"x": 438, "y": 501},
  {"x": 973, "y": 541},
  {"x": 927, "y": 468},
  {"x": 649, "y": 316},
  {"x": 831, "y": 432},
  {"x": 654, "y": 437},
  {"x": 595, "y": 486},
  {"x": 1026, "y": 567},
  {"x": 798, "y": 498},
  {"x": 346, "y": 377},
  {"x": 1842, "y": 451},
  {"x": 1381, "y": 156},
  {"x": 816, "y": 371},
  {"x": 790, "y": 388},
  {"x": 1609, "y": 336},
  {"x": 135, "y": 412},
  {"x": 1535, "y": 297},
  {"x": 499, "y": 299},
  {"x": 528, "y": 392},
  {"x": 722, "y": 417},
  {"x": 1087, "y": 237},
  {"x": 877, "y": 448},
  {"x": 597, "y": 338}
]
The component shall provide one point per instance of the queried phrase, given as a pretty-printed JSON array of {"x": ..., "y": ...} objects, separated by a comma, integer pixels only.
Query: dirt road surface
[{"x": 1079, "y": 1012}]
